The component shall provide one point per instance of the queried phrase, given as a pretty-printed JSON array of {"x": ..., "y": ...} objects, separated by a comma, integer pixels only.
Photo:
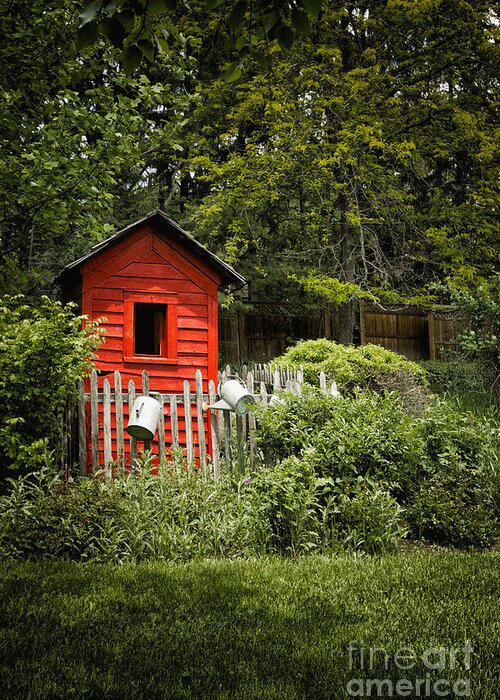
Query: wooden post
[
  {"x": 94, "y": 421},
  {"x": 200, "y": 420},
  {"x": 227, "y": 441},
  {"x": 133, "y": 441},
  {"x": 145, "y": 382},
  {"x": 322, "y": 381},
  {"x": 82, "y": 429},
  {"x": 432, "y": 336},
  {"x": 145, "y": 391},
  {"x": 188, "y": 422},
  {"x": 174, "y": 423},
  {"x": 251, "y": 428},
  {"x": 240, "y": 445},
  {"x": 108, "y": 456},
  {"x": 263, "y": 392},
  {"x": 161, "y": 429},
  {"x": 215, "y": 431},
  {"x": 120, "y": 437},
  {"x": 362, "y": 323}
]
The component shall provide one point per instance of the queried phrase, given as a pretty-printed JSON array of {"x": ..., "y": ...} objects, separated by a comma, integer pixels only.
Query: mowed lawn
[{"x": 251, "y": 629}]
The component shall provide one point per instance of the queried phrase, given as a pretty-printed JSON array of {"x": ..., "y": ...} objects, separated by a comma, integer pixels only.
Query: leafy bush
[
  {"x": 283, "y": 508},
  {"x": 457, "y": 376},
  {"x": 362, "y": 515},
  {"x": 481, "y": 342},
  {"x": 367, "y": 367},
  {"x": 453, "y": 510},
  {"x": 370, "y": 437},
  {"x": 43, "y": 352},
  {"x": 365, "y": 434}
]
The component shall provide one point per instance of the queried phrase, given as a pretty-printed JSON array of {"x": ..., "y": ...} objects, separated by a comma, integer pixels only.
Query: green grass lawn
[{"x": 248, "y": 629}]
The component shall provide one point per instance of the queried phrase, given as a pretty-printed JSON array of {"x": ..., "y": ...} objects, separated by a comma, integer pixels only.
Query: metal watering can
[
  {"x": 143, "y": 419},
  {"x": 234, "y": 396}
]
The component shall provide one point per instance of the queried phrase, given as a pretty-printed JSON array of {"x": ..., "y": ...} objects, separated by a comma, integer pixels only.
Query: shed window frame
[{"x": 168, "y": 340}]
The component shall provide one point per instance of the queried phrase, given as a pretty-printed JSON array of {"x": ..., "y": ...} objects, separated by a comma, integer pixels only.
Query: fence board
[
  {"x": 188, "y": 422},
  {"x": 108, "y": 457},
  {"x": 215, "y": 431},
  {"x": 133, "y": 441},
  {"x": 174, "y": 423},
  {"x": 161, "y": 429},
  {"x": 82, "y": 429},
  {"x": 200, "y": 421},
  {"x": 120, "y": 438},
  {"x": 94, "y": 421}
]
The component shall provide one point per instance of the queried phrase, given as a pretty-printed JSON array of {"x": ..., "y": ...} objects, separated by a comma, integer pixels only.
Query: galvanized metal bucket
[{"x": 143, "y": 419}]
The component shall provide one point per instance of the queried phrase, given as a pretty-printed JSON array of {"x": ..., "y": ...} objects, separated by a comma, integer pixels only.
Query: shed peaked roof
[{"x": 227, "y": 273}]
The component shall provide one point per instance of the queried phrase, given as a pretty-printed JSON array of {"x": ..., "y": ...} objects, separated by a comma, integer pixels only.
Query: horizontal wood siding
[{"x": 146, "y": 263}]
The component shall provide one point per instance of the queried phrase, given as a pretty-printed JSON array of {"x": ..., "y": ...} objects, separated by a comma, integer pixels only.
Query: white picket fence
[{"x": 95, "y": 433}]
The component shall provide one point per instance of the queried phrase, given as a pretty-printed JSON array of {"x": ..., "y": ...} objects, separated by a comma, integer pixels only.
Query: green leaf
[
  {"x": 301, "y": 21},
  {"x": 114, "y": 30},
  {"x": 131, "y": 58},
  {"x": 156, "y": 6},
  {"x": 233, "y": 72},
  {"x": 147, "y": 48},
  {"x": 110, "y": 7},
  {"x": 313, "y": 7},
  {"x": 285, "y": 38},
  {"x": 87, "y": 35},
  {"x": 269, "y": 21},
  {"x": 262, "y": 60},
  {"x": 212, "y": 4},
  {"x": 88, "y": 13},
  {"x": 126, "y": 19},
  {"x": 237, "y": 14}
]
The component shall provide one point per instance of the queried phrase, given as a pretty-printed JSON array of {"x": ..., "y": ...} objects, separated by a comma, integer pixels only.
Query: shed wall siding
[{"x": 146, "y": 263}]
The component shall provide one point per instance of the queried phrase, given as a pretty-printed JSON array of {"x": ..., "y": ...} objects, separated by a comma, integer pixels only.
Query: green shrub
[
  {"x": 43, "y": 352},
  {"x": 361, "y": 514},
  {"x": 455, "y": 500},
  {"x": 454, "y": 510},
  {"x": 283, "y": 508},
  {"x": 367, "y": 367},
  {"x": 457, "y": 376},
  {"x": 366, "y": 434}
]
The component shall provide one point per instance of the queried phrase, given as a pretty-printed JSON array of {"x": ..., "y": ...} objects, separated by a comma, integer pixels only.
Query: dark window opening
[{"x": 149, "y": 328}]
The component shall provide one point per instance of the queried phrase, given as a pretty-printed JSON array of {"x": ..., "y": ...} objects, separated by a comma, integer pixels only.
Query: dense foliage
[
  {"x": 178, "y": 515},
  {"x": 442, "y": 468},
  {"x": 364, "y": 367},
  {"x": 43, "y": 352}
]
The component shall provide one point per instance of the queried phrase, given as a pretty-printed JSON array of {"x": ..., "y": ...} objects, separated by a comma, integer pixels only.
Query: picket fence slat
[
  {"x": 200, "y": 421},
  {"x": 214, "y": 425},
  {"x": 108, "y": 457},
  {"x": 188, "y": 423},
  {"x": 174, "y": 423},
  {"x": 161, "y": 429},
  {"x": 94, "y": 421},
  {"x": 133, "y": 441},
  {"x": 82, "y": 429},
  {"x": 120, "y": 438}
]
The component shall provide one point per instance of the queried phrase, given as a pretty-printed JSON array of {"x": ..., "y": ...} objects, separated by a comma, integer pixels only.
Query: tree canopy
[{"x": 338, "y": 149}]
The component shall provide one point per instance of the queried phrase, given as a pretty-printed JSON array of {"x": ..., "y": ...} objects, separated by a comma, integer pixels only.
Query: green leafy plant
[
  {"x": 367, "y": 367},
  {"x": 365, "y": 434},
  {"x": 43, "y": 352},
  {"x": 361, "y": 515}
]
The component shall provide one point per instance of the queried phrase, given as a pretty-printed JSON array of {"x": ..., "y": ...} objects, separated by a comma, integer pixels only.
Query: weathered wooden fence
[
  {"x": 95, "y": 436},
  {"x": 417, "y": 334}
]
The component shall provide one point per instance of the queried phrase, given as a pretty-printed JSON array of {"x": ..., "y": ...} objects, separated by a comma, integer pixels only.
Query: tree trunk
[{"x": 347, "y": 310}]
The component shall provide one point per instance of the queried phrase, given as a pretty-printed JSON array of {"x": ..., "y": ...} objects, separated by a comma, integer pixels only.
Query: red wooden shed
[{"x": 157, "y": 287}]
